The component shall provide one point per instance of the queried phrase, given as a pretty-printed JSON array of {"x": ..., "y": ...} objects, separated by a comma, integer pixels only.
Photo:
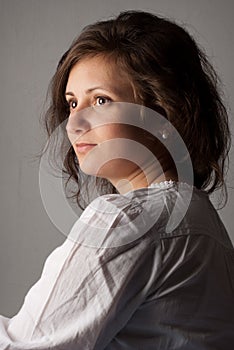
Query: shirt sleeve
[{"x": 91, "y": 285}]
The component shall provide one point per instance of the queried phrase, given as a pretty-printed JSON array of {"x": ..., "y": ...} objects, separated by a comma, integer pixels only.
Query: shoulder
[{"x": 114, "y": 219}]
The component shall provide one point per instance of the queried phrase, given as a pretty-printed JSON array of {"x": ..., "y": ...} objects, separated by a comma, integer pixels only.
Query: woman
[{"x": 149, "y": 264}]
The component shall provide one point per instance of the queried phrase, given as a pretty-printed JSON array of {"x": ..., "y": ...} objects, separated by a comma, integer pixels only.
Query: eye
[
  {"x": 72, "y": 104},
  {"x": 101, "y": 100}
]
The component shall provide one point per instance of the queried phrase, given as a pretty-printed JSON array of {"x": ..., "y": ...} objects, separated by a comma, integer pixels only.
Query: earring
[{"x": 165, "y": 134}]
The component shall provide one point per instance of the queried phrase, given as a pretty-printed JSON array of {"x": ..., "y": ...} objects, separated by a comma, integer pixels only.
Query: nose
[{"x": 77, "y": 125}]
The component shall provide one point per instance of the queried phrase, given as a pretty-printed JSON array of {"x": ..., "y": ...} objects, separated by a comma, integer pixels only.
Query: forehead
[{"x": 97, "y": 70}]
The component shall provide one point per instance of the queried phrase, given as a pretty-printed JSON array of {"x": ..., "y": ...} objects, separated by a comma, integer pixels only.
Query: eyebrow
[{"x": 70, "y": 93}]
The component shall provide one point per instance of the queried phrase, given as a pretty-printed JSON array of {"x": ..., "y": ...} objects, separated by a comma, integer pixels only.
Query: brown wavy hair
[{"x": 170, "y": 74}]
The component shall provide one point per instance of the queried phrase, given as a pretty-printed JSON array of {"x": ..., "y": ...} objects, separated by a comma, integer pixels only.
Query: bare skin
[{"x": 98, "y": 82}]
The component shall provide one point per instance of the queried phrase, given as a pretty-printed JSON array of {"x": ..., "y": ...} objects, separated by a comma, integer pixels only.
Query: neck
[{"x": 140, "y": 179}]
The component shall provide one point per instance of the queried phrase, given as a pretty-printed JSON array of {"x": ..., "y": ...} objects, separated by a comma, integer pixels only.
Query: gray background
[{"x": 33, "y": 36}]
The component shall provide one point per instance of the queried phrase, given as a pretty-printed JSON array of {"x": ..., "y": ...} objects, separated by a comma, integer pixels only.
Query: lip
[{"x": 84, "y": 147}]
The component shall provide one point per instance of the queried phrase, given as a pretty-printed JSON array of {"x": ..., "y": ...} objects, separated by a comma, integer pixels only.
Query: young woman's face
[{"x": 96, "y": 82}]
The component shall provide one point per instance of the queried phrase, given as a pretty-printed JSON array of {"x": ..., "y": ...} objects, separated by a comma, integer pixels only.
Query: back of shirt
[{"x": 190, "y": 302}]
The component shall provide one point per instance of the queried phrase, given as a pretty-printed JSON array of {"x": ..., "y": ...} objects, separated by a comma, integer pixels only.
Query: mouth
[{"x": 84, "y": 147}]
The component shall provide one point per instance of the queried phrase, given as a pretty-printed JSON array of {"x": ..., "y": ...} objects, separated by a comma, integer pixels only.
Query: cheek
[
  {"x": 112, "y": 131},
  {"x": 107, "y": 132},
  {"x": 126, "y": 134}
]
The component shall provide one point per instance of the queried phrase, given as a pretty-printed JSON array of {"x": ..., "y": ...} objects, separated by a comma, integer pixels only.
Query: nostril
[{"x": 73, "y": 131}]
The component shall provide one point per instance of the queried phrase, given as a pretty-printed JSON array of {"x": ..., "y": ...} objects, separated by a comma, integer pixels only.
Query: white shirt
[{"x": 115, "y": 285}]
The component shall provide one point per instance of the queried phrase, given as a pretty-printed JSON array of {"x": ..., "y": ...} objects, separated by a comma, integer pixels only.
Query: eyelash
[
  {"x": 71, "y": 101},
  {"x": 103, "y": 97}
]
